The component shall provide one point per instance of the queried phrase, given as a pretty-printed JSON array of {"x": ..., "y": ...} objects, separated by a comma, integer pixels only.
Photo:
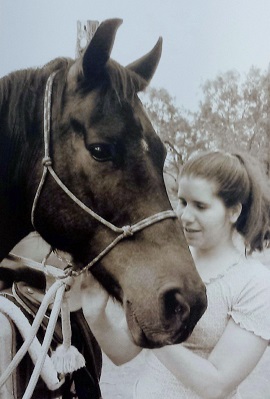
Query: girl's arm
[
  {"x": 107, "y": 322},
  {"x": 233, "y": 358}
]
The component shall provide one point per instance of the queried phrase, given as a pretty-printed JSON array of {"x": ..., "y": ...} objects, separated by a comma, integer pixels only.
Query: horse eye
[{"x": 102, "y": 152}]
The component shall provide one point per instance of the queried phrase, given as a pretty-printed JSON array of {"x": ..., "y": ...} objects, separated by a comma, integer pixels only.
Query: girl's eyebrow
[{"x": 201, "y": 203}]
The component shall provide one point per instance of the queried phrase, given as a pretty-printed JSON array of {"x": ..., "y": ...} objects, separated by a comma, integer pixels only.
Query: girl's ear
[{"x": 235, "y": 212}]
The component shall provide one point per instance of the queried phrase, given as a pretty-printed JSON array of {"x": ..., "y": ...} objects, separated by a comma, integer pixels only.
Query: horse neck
[{"x": 20, "y": 134}]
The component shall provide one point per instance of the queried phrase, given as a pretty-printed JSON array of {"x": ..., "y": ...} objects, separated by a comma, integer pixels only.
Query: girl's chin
[
  {"x": 191, "y": 236},
  {"x": 193, "y": 241}
]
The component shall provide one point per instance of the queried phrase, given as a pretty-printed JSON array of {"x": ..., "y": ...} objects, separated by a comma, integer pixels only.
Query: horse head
[{"x": 105, "y": 151}]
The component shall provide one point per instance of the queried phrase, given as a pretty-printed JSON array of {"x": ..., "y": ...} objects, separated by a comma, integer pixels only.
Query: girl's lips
[{"x": 189, "y": 230}]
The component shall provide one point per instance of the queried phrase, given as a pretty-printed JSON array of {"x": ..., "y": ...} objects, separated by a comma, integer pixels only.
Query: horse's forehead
[
  {"x": 126, "y": 120},
  {"x": 93, "y": 109},
  {"x": 81, "y": 105}
]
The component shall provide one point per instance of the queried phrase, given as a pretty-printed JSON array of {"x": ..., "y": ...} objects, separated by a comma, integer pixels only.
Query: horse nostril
[
  {"x": 181, "y": 306},
  {"x": 178, "y": 309},
  {"x": 174, "y": 304}
]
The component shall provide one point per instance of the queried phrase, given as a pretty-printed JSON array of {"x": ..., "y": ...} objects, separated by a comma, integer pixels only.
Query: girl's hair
[{"x": 239, "y": 179}]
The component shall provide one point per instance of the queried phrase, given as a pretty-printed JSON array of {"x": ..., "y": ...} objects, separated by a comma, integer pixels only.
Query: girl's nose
[{"x": 186, "y": 214}]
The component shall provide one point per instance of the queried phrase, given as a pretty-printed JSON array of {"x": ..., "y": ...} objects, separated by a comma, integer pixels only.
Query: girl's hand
[
  {"x": 98, "y": 308},
  {"x": 94, "y": 298},
  {"x": 107, "y": 321}
]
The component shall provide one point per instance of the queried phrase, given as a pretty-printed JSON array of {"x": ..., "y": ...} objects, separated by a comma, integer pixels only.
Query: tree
[
  {"x": 234, "y": 113},
  {"x": 174, "y": 125},
  {"x": 176, "y": 129}
]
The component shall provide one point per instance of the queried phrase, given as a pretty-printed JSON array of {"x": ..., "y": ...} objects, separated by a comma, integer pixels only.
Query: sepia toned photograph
[{"x": 134, "y": 199}]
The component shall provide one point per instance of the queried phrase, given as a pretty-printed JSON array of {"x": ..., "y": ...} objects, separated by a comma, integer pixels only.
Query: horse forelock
[
  {"x": 124, "y": 82},
  {"x": 118, "y": 84}
]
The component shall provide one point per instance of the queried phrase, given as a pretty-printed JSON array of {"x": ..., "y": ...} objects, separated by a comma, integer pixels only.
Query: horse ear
[
  {"x": 99, "y": 49},
  {"x": 147, "y": 65}
]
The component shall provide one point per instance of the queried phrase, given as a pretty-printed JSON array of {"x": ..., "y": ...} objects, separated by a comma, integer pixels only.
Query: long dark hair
[{"x": 239, "y": 179}]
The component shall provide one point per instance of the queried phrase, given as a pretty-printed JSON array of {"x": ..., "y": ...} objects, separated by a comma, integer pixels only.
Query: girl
[{"x": 220, "y": 195}]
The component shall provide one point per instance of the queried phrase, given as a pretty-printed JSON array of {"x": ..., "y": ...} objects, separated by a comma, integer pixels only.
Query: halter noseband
[{"x": 124, "y": 231}]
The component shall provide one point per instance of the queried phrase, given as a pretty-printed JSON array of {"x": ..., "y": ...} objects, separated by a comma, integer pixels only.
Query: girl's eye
[
  {"x": 102, "y": 152},
  {"x": 182, "y": 202},
  {"x": 201, "y": 206}
]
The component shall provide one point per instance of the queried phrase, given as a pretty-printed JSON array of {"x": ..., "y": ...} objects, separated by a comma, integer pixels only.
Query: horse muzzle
[{"x": 172, "y": 324}]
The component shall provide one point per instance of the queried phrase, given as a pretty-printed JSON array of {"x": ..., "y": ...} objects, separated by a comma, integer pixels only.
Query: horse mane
[
  {"x": 21, "y": 96},
  {"x": 17, "y": 105},
  {"x": 124, "y": 82}
]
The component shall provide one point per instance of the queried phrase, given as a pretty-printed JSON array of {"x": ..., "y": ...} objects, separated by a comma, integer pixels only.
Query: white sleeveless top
[{"x": 243, "y": 293}]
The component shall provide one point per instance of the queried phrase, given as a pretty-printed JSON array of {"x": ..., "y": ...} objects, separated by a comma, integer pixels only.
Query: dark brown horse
[{"x": 104, "y": 149}]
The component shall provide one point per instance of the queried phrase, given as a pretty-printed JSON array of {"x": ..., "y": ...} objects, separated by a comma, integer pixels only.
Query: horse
[{"x": 79, "y": 158}]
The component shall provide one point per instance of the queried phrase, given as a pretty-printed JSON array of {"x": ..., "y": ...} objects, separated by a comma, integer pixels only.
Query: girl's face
[{"x": 206, "y": 221}]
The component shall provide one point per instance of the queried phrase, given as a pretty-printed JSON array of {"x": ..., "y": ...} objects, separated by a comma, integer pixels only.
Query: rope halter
[{"x": 125, "y": 231}]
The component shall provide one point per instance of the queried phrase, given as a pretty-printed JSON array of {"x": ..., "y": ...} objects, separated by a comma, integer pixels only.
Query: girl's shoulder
[
  {"x": 249, "y": 275},
  {"x": 252, "y": 268},
  {"x": 243, "y": 271},
  {"x": 249, "y": 284}
]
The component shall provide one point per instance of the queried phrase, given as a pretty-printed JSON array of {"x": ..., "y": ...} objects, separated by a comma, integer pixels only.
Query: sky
[{"x": 201, "y": 38}]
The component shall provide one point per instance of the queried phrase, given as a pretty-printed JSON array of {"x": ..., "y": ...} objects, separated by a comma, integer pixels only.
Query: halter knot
[
  {"x": 68, "y": 274},
  {"x": 47, "y": 161},
  {"x": 68, "y": 281},
  {"x": 127, "y": 231}
]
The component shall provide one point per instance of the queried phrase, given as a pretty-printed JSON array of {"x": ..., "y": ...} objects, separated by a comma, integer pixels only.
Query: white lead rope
[{"x": 29, "y": 332}]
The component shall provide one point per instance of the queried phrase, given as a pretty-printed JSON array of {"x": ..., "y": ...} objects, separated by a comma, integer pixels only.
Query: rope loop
[
  {"x": 47, "y": 161},
  {"x": 127, "y": 231}
]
